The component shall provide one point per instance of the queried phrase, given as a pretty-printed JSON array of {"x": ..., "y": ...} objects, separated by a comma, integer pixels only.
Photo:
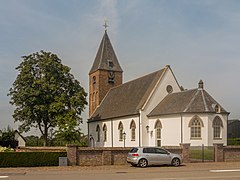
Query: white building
[{"x": 152, "y": 110}]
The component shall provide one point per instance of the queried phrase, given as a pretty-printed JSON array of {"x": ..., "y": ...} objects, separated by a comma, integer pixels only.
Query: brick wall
[
  {"x": 101, "y": 156},
  {"x": 98, "y": 90},
  {"x": 87, "y": 156},
  {"x": 231, "y": 153},
  {"x": 227, "y": 153}
]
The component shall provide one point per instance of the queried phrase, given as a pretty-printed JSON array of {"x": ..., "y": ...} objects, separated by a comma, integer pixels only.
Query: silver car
[{"x": 144, "y": 156}]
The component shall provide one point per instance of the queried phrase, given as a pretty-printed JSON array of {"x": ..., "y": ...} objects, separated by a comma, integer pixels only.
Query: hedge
[
  {"x": 30, "y": 159},
  {"x": 233, "y": 141}
]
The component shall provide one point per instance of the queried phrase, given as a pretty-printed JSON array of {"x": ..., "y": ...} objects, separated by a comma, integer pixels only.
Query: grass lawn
[{"x": 197, "y": 154}]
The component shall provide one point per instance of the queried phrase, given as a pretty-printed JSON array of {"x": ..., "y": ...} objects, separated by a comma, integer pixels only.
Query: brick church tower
[{"x": 105, "y": 73}]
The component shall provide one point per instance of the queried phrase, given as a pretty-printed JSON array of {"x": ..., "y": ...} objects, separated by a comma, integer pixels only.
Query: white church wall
[
  {"x": 93, "y": 133},
  {"x": 126, "y": 128},
  {"x": 158, "y": 95},
  {"x": 113, "y": 132},
  {"x": 170, "y": 132}
]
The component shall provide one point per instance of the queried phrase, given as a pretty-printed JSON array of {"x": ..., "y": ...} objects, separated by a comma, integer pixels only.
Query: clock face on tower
[
  {"x": 111, "y": 74},
  {"x": 111, "y": 77}
]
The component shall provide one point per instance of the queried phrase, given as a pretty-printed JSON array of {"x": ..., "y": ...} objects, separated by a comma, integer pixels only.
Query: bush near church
[{"x": 30, "y": 159}]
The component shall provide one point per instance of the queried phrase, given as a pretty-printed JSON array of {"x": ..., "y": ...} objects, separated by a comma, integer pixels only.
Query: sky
[{"x": 198, "y": 39}]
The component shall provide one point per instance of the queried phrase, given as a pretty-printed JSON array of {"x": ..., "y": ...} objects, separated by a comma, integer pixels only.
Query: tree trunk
[{"x": 45, "y": 136}]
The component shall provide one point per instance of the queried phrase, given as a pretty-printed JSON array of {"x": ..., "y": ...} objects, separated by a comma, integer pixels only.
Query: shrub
[
  {"x": 30, "y": 159},
  {"x": 233, "y": 141},
  {"x": 5, "y": 149}
]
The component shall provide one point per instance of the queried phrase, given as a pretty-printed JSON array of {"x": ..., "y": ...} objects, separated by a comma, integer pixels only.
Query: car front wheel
[
  {"x": 143, "y": 163},
  {"x": 175, "y": 162}
]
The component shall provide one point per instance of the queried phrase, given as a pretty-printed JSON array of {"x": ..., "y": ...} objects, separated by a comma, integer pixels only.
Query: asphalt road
[{"x": 197, "y": 171}]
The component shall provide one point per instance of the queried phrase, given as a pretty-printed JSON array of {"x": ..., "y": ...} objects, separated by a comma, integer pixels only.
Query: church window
[
  {"x": 94, "y": 80},
  {"x": 169, "y": 89},
  {"x": 196, "y": 125},
  {"x": 98, "y": 133},
  {"x": 120, "y": 129},
  {"x": 110, "y": 63},
  {"x": 158, "y": 129},
  {"x": 104, "y": 133},
  {"x": 217, "y": 126},
  {"x": 133, "y": 130},
  {"x": 217, "y": 109}
]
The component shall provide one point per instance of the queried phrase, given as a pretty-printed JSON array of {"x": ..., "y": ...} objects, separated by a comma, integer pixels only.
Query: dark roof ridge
[
  {"x": 191, "y": 101},
  {"x": 147, "y": 75},
  {"x": 204, "y": 100}
]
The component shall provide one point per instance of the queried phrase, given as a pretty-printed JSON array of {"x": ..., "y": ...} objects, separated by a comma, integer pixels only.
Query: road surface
[{"x": 191, "y": 171}]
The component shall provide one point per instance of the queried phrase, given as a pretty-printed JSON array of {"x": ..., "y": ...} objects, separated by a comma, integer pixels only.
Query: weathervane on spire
[{"x": 105, "y": 25}]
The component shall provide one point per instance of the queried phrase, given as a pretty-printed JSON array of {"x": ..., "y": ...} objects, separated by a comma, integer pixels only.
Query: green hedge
[
  {"x": 233, "y": 141},
  {"x": 30, "y": 159}
]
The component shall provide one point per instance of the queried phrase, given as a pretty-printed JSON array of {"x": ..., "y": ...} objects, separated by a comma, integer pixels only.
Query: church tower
[{"x": 105, "y": 73}]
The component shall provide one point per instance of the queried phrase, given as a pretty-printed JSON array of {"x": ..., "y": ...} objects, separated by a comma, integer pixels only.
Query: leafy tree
[
  {"x": 34, "y": 141},
  {"x": 46, "y": 95},
  {"x": 7, "y": 134},
  {"x": 69, "y": 135}
]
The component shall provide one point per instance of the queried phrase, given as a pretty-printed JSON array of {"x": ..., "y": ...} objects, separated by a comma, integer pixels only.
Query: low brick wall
[
  {"x": 231, "y": 153},
  {"x": 87, "y": 156},
  {"x": 226, "y": 153},
  {"x": 101, "y": 156}
]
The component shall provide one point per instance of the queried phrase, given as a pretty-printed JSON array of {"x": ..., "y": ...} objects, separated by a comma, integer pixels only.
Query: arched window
[
  {"x": 133, "y": 130},
  {"x": 217, "y": 126},
  {"x": 120, "y": 128},
  {"x": 196, "y": 124},
  {"x": 158, "y": 127},
  {"x": 104, "y": 133},
  {"x": 98, "y": 133},
  {"x": 217, "y": 109}
]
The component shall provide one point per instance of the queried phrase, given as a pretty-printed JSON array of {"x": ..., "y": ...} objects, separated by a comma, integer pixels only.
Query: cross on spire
[{"x": 105, "y": 25}]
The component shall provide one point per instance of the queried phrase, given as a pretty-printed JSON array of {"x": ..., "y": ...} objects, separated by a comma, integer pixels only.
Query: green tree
[
  {"x": 69, "y": 135},
  {"x": 7, "y": 134},
  {"x": 34, "y": 141},
  {"x": 46, "y": 95}
]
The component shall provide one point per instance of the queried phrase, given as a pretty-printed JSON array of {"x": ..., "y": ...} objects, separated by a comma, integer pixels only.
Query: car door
[
  {"x": 150, "y": 155},
  {"x": 162, "y": 156}
]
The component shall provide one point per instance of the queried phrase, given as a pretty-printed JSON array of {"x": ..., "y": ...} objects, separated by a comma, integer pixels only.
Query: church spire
[
  {"x": 105, "y": 73},
  {"x": 106, "y": 58}
]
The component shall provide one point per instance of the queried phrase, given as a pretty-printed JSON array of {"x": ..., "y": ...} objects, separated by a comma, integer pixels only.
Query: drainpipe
[
  {"x": 139, "y": 129},
  {"x": 112, "y": 131},
  {"x": 88, "y": 135},
  {"x": 181, "y": 129}
]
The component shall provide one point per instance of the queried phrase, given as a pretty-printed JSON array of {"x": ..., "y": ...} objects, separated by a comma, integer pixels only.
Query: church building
[{"x": 152, "y": 110}]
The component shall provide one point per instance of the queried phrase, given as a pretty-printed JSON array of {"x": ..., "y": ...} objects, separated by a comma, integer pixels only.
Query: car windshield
[{"x": 133, "y": 150}]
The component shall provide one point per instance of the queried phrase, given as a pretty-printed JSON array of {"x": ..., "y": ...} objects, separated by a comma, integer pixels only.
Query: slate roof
[
  {"x": 104, "y": 54},
  {"x": 188, "y": 101},
  {"x": 128, "y": 98}
]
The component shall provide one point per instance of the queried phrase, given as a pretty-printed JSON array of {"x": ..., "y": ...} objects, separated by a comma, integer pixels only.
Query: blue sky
[{"x": 199, "y": 39}]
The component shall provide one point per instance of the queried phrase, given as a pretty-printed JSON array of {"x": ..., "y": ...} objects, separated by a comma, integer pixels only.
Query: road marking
[
  {"x": 2, "y": 177},
  {"x": 226, "y": 170}
]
